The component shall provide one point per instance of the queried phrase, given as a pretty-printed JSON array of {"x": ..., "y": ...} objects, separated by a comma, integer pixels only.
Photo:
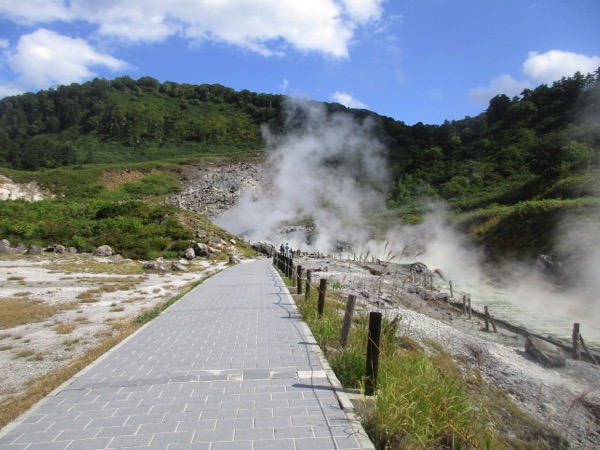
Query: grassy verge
[
  {"x": 424, "y": 399},
  {"x": 14, "y": 405}
]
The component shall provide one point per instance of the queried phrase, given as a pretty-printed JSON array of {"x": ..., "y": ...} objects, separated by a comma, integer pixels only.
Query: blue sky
[{"x": 413, "y": 60}]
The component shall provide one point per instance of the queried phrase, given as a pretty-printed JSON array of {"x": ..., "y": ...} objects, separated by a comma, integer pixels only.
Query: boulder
[
  {"x": 178, "y": 267},
  {"x": 234, "y": 259},
  {"x": 4, "y": 246},
  {"x": 104, "y": 250},
  {"x": 232, "y": 241},
  {"x": 442, "y": 296},
  {"x": 189, "y": 254},
  {"x": 60, "y": 249},
  {"x": 71, "y": 250},
  {"x": 201, "y": 250},
  {"x": 34, "y": 250},
  {"x": 264, "y": 248},
  {"x": 155, "y": 265},
  {"x": 544, "y": 352}
]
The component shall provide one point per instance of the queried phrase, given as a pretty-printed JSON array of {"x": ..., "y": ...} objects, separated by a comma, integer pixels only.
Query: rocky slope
[
  {"x": 10, "y": 190},
  {"x": 213, "y": 186}
]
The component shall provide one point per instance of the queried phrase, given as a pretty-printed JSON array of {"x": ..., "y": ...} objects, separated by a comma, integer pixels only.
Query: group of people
[{"x": 286, "y": 250}]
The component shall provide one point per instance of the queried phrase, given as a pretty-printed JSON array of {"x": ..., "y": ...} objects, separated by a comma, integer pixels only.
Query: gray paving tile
[{"x": 218, "y": 370}]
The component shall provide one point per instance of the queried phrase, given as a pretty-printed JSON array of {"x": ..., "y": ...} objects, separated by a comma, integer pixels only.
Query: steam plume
[{"x": 329, "y": 169}]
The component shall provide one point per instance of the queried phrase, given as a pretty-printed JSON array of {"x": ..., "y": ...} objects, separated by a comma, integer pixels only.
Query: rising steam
[{"x": 329, "y": 170}]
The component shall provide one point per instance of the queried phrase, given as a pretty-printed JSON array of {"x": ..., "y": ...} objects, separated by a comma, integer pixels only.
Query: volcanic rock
[
  {"x": 545, "y": 353},
  {"x": 4, "y": 246},
  {"x": 104, "y": 250}
]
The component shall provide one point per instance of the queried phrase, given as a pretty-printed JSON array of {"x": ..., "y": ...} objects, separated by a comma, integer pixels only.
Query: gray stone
[
  {"x": 60, "y": 249},
  {"x": 155, "y": 265},
  {"x": 202, "y": 250},
  {"x": 189, "y": 254},
  {"x": 34, "y": 250},
  {"x": 4, "y": 246},
  {"x": 104, "y": 250},
  {"x": 544, "y": 352},
  {"x": 178, "y": 267},
  {"x": 234, "y": 259}
]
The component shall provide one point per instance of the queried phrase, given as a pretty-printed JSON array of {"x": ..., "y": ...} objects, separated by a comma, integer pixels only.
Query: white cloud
[
  {"x": 268, "y": 27},
  {"x": 504, "y": 84},
  {"x": 45, "y": 58},
  {"x": 34, "y": 11},
  {"x": 363, "y": 10},
  {"x": 4, "y": 43},
  {"x": 555, "y": 64},
  {"x": 347, "y": 100},
  {"x": 537, "y": 68},
  {"x": 284, "y": 84}
]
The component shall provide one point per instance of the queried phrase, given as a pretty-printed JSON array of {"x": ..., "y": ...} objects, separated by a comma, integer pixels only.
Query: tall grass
[
  {"x": 420, "y": 400},
  {"x": 423, "y": 400}
]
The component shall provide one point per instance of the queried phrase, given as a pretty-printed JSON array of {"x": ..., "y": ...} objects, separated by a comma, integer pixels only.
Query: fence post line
[
  {"x": 576, "y": 352},
  {"x": 469, "y": 307},
  {"x": 373, "y": 342},
  {"x": 293, "y": 275},
  {"x": 308, "y": 281},
  {"x": 322, "y": 289},
  {"x": 487, "y": 318},
  {"x": 299, "y": 280},
  {"x": 464, "y": 304},
  {"x": 347, "y": 320}
]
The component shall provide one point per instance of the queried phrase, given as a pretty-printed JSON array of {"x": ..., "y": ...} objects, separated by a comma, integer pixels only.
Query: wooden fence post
[
  {"x": 464, "y": 304},
  {"x": 576, "y": 353},
  {"x": 469, "y": 307},
  {"x": 347, "y": 320},
  {"x": 322, "y": 289},
  {"x": 299, "y": 280},
  {"x": 451, "y": 290},
  {"x": 487, "y": 318},
  {"x": 373, "y": 342},
  {"x": 308, "y": 281}
]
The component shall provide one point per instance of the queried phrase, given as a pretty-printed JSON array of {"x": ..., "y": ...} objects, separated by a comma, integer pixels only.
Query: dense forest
[{"x": 540, "y": 146}]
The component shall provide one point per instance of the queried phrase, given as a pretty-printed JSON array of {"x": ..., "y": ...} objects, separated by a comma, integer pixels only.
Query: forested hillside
[
  {"x": 126, "y": 120},
  {"x": 531, "y": 156}
]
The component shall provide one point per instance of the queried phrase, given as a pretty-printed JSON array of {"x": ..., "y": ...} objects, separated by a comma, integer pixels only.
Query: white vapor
[{"x": 330, "y": 169}]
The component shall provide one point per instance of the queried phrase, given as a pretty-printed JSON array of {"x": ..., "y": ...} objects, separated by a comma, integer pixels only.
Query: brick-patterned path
[{"x": 229, "y": 366}]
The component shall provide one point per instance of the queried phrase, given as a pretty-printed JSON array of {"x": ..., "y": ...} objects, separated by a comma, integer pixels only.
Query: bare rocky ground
[
  {"x": 97, "y": 294},
  {"x": 566, "y": 399}
]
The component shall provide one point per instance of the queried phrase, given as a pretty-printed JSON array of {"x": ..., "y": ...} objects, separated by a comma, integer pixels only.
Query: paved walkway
[{"x": 229, "y": 366}]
